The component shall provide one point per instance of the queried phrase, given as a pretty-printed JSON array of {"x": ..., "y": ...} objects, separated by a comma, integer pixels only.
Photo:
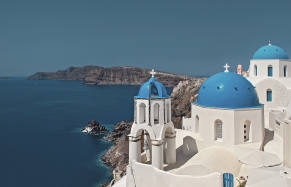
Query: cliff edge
[
  {"x": 183, "y": 95},
  {"x": 114, "y": 75}
]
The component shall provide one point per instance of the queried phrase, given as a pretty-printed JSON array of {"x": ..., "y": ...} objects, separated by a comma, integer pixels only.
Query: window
[
  {"x": 156, "y": 113},
  {"x": 197, "y": 124},
  {"x": 218, "y": 130},
  {"x": 256, "y": 70},
  {"x": 269, "y": 95},
  {"x": 285, "y": 71},
  {"x": 154, "y": 91},
  {"x": 142, "y": 113},
  {"x": 270, "y": 71},
  {"x": 247, "y": 131}
]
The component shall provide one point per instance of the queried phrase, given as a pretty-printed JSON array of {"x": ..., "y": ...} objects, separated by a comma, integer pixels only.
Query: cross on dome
[
  {"x": 153, "y": 73},
  {"x": 226, "y": 66},
  {"x": 270, "y": 42}
]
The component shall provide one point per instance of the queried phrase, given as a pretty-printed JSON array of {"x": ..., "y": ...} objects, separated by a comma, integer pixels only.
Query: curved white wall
[
  {"x": 142, "y": 175},
  {"x": 280, "y": 94}
]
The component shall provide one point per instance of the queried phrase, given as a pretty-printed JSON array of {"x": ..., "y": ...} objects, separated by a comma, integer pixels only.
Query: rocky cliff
[
  {"x": 113, "y": 75},
  {"x": 183, "y": 95},
  {"x": 117, "y": 156}
]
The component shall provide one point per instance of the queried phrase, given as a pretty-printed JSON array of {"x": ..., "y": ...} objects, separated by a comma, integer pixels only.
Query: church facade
[
  {"x": 270, "y": 73},
  {"x": 226, "y": 113},
  {"x": 269, "y": 77}
]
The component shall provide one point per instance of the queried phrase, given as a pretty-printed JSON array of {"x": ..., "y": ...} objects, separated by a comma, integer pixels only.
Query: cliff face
[
  {"x": 72, "y": 73},
  {"x": 113, "y": 75},
  {"x": 117, "y": 156},
  {"x": 183, "y": 95}
]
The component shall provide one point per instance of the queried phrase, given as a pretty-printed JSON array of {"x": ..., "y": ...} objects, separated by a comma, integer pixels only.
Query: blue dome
[
  {"x": 227, "y": 90},
  {"x": 270, "y": 52},
  {"x": 152, "y": 89}
]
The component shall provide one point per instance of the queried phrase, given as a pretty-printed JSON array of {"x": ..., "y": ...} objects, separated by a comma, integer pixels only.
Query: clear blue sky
[{"x": 188, "y": 37}]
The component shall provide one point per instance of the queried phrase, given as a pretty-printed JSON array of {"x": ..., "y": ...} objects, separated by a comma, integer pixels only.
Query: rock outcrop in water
[
  {"x": 95, "y": 128},
  {"x": 117, "y": 156},
  {"x": 114, "y": 75}
]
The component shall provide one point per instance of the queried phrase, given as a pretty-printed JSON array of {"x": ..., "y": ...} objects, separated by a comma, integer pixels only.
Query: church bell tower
[{"x": 152, "y": 119}]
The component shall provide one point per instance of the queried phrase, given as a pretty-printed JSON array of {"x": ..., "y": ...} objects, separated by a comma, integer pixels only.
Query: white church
[{"x": 239, "y": 127}]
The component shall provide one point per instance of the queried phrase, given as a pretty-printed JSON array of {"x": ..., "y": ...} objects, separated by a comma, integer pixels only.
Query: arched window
[
  {"x": 255, "y": 70},
  {"x": 247, "y": 131},
  {"x": 285, "y": 71},
  {"x": 197, "y": 124},
  {"x": 156, "y": 114},
  {"x": 142, "y": 113},
  {"x": 270, "y": 71},
  {"x": 269, "y": 95},
  {"x": 218, "y": 130},
  {"x": 154, "y": 91},
  {"x": 168, "y": 112}
]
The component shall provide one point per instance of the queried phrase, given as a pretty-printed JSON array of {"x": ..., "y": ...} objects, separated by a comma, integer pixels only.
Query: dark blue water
[{"x": 40, "y": 139}]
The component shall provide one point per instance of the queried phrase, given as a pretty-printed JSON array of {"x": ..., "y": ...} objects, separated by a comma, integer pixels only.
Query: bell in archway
[{"x": 146, "y": 146}]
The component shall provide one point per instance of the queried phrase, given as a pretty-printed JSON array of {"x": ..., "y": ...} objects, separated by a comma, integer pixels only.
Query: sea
[{"x": 41, "y": 143}]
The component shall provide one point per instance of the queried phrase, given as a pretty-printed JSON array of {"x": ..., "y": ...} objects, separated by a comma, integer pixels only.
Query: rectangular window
[
  {"x": 245, "y": 131},
  {"x": 270, "y": 71},
  {"x": 269, "y": 95},
  {"x": 245, "y": 137},
  {"x": 219, "y": 131}
]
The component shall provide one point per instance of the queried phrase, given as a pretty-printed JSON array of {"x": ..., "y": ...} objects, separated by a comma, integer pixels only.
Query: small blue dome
[
  {"x": 152, "y": 89},
  {"x": 270, "y": 52},
  {"x": 227, "y": 90}
]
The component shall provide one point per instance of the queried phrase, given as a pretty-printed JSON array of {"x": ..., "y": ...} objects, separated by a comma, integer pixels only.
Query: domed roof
[
  {"x": 152, "y": 89},
  {"x": 227, "y": 90},
  {"x": 270, "y": 52}
]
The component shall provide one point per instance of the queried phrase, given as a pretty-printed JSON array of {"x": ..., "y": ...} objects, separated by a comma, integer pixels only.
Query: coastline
[
  {"x": 116, "y": 157},
  {"x": 99, "y": 162},
  {"x": 97, "y": 75}
]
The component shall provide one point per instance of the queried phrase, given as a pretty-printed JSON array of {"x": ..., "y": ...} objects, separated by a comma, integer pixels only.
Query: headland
[{"x": 97, "y": 75}]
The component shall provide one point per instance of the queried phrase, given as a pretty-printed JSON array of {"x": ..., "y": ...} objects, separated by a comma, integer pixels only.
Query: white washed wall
[{"x": 142, "y": 175}]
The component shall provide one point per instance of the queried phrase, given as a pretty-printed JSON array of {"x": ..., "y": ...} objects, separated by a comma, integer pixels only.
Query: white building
[
  {"x": 227, "y": 120},
  {"x": 270, "y": 73},
  {"x": 152, "y": 115},
  {"x": 227, "y": 113}
]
